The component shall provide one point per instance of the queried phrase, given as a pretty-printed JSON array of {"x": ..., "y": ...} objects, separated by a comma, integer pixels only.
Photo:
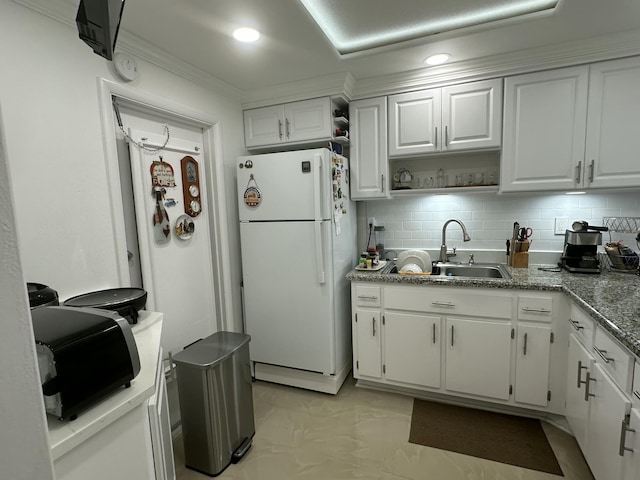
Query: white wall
[
  {"x": 416, "y": 222},
  {"x": 49, "y": 93}
]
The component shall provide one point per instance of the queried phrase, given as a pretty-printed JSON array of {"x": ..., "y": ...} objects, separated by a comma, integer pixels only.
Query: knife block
[{"x": 519, "y": 257}]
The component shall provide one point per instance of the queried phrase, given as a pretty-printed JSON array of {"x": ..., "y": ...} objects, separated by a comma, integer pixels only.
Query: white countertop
[{"x": 66, "y": 435}]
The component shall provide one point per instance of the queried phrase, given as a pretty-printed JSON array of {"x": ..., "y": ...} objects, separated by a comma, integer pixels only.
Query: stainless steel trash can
[{"x": 216, "y": 402}]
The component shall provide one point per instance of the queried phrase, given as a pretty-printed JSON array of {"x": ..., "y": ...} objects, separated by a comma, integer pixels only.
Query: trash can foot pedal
[{"x": 241, "y": 450}]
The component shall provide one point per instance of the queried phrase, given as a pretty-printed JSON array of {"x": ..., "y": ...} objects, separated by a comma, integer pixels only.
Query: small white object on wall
[{"x": 126, "y": 66}]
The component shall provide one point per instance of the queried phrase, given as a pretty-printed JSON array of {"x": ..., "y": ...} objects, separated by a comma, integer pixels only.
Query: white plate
[
  {"x": 419, "y": 257},
  {"x": 411, "y": 268}
]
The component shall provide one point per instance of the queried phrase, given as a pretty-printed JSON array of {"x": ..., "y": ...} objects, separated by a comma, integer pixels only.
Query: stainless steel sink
[{"x": 476, "y": 270}]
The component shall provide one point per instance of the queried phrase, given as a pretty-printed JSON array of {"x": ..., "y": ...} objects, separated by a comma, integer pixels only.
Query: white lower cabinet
[
  {"x": 577, "y": 408},
  {"x": 533, "y": 347},
  {"x": 463, "y": 342},
  {"x": 478, "y": 354},
  {"x": 367, "y": 344},
  {"x": 631, "y": 447},
  {"x": 608, "y": 407},
  {"x": 412, "y": 348}
]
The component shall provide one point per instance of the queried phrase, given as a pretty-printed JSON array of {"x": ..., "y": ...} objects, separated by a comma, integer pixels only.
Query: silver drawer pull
[
  {"x": 524, "y": 350},
  {"x": 373, "y": 326},
  {"x": 535, "y": 310},
  {"x": 575, "y": 324},
  {"x": 637, "y": 394},
  {"x": 623, "y": 434},
  {"x": 443, "y": 304},
  {"x": 367, "y": 297},
  {"x": 603, "y": 355}
]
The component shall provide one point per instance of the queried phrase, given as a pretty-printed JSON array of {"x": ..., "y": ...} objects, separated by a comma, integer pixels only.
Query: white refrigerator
[{"x": 298, "y": 241}]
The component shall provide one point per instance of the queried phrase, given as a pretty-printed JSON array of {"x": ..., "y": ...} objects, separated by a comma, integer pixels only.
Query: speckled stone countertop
[{"x": 611, "y": 298}]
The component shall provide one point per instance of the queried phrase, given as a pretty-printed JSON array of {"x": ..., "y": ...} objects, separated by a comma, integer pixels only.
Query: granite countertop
[{"x": 611, "y": 298}]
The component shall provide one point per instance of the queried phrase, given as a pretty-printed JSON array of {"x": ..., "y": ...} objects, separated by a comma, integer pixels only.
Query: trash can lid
[{"x": 209, "y": 351}]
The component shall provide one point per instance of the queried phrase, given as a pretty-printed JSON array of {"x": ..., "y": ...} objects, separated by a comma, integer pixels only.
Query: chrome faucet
[{"x": 443, "y": 248}]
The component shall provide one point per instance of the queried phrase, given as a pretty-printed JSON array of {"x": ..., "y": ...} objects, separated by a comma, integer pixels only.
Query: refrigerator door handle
[
  {"x": 319, "y": 259},
  {"x": 317, "y": 171}
]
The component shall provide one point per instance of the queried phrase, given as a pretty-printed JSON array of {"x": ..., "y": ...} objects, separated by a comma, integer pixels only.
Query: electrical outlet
[
  {"x": 372, "y": 221},
  {"x": 561, "y": 224}
]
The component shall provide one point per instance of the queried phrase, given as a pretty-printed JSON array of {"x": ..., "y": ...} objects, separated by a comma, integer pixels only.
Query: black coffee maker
[{"x": 580, "y": 253}]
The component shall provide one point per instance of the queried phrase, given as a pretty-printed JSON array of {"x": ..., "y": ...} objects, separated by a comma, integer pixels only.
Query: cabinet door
[
  {"x": 308, "y": 120},
  {"x": 414, "y": 122},
  {"x": 631, "y": 458},
  {"x": 412, "y": 349},
  {"x": 263, "y": 126},
  {"x": 478, "y": 354},
  {"x": 613, "y": 143},
  {"x": 368, "y": 346},
  {"x": 544, "y": 130},
  {"x": 472, "y": 115},
  {"x": 369, "y": 158},
  {"x": 532, "y": 364},
  {"x": 608, "y": 408},
  {"x": 579, "y": 362}
]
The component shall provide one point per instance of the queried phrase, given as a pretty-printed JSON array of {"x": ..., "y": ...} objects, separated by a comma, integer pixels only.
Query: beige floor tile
[{"x": 360, "y": 434}]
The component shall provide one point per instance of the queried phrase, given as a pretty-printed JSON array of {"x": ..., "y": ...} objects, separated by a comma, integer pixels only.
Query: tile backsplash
[{"x": 416, "y": 221}]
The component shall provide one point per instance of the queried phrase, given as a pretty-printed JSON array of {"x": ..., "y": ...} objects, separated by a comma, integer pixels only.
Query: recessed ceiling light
[
  {"x": 437, "y": 59},
  {"x": 246, "y": 34}
]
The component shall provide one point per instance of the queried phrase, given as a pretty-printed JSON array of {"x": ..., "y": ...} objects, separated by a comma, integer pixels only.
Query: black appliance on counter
[
  {"x": 126, "y": 301},
  {"x": 83, "y": 355},
  {"x": 580, "y": 253},
  {"x": 41, "y": 295}
]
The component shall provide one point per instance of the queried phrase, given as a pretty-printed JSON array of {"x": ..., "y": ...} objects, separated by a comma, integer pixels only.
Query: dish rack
[{"x": 611, "y": 259}]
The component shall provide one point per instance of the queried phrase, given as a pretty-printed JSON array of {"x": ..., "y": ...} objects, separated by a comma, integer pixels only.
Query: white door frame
[{"x": 214, "y": 181}]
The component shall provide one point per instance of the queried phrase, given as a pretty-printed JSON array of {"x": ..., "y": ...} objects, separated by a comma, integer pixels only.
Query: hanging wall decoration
[
  {"x": 185, "y": 227},
  {"x": 161, "y": 226},
  {"x": 191, "y": 186},
  {"x": 252, "y": 194},
  {"x": 162, "y": 174}
]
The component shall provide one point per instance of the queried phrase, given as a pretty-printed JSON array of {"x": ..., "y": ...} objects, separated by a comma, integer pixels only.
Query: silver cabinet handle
[
  {"x": 436, "y": 139},
  {"x": 373, "y": 326},
  {"x": 524, "y": 348},
  {"x": 280, "y": 129},
  {"x": 434, "y": 334},
  {"x": 368, "y": 297},
  {"x": 603, "y": 355},
  {"x": 586, "y": 387},
  {"x": 580, "y": 368},
  {"x": 452, "y": 335},
  {"x": 575, "y": 324},
  {"x": 591, "y": 170},
  {"x": 637, "y": 394},
  {"x": 623, "y": 436},
  {"x": 382, "y": 182},
  {"x": 443, "y": 304},
  {"x": 578, "y": 171},
  {"x": 287, "y": 131},
  {"x": 536, "y": 310},
  {"x": 446, "y": 136}
]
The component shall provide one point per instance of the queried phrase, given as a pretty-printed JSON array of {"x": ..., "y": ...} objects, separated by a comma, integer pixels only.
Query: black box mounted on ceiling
[{"x": 98, "y": 23}]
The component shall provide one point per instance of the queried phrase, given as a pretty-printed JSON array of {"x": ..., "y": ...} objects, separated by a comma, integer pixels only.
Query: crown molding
[
  {"x": 596, "y": 49},
  {"x": 334, "y": 85},
  {"x": 65, "y": 13}
]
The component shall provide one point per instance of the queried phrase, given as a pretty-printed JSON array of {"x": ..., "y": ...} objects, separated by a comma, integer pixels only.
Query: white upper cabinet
[
  {"x": 613, "y": 128},
  {"x": 296, "y": 122},
  {"x": 460, "y": 117},
  {"x": 544, "y": 130},
  {"x": 573, "y": 128},
  {"x": 369, "y": 161}
]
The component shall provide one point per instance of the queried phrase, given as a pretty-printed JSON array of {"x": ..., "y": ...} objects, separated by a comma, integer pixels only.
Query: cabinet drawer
[
  {"x": 449, "y": 301},
  {"x": 614, "y": 358},
  {"x": 635, "y": 394},
  {"x": 582, "y": 326},
  {"x": 535, "y": 309},
  {"x": 367, "y": 296}
]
